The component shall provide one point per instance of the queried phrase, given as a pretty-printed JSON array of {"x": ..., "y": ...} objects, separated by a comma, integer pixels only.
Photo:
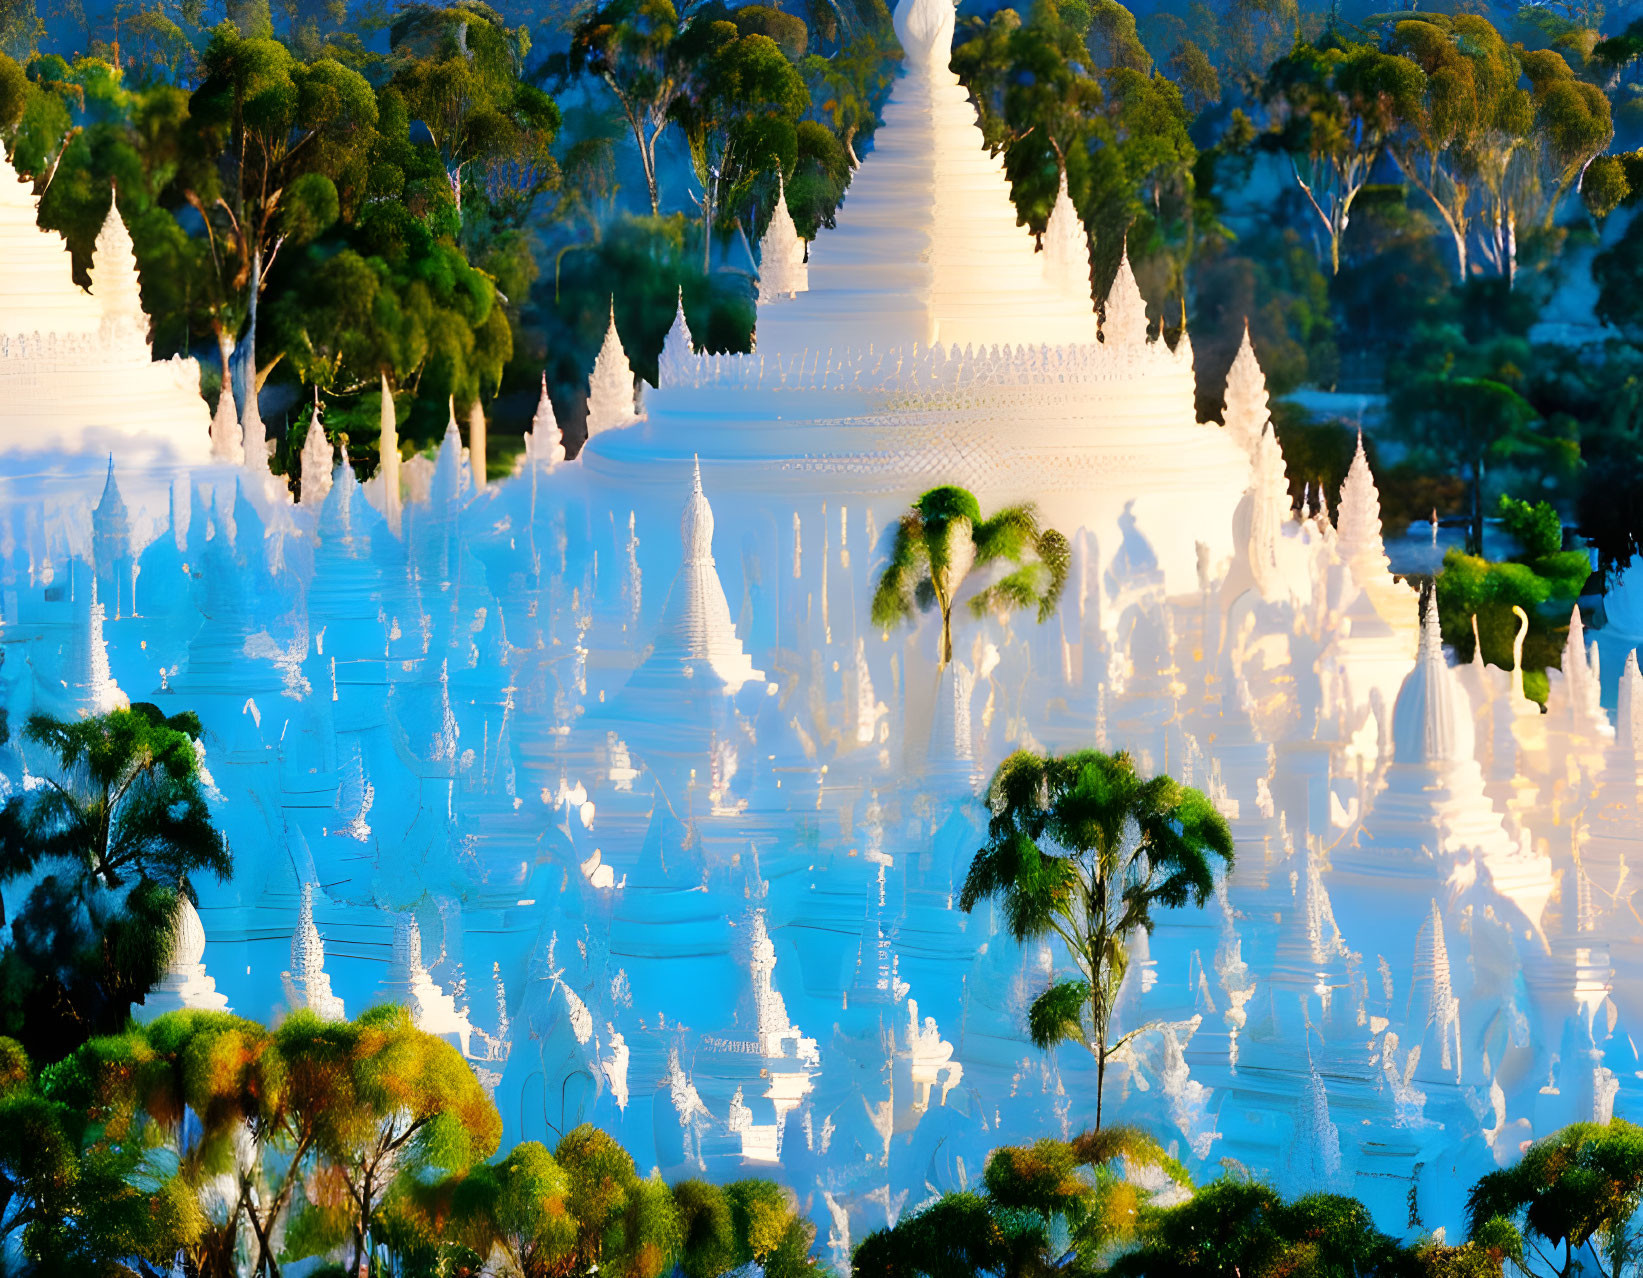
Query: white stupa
[
  {"x": 306, "y": 984},
  {"x": 409, "y": 984},
  {"x": 782, "y": 269},
  {"x": 931, "y": 347},
  {"x": 1067, "y": 248},
  {"x": 544, "y": 442},
  {"x": 611, "y": 402},
  {"x": 1358, "y": 538},
  {"x": 185, "y": 985},
  {"x": 677, "y": 363},
  {"x": 318, "y": 458},
  {"x": 77, "y": 373},
  {"x": 1245, "y": 413},
  {"x": 696, "y": 643}
]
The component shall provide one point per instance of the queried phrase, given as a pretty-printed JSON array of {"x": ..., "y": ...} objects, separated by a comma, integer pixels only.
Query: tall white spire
[
  {"x": 611, "y": 402},
  {"x": 1358, "y": 521},
  {"x": 545, "y": 442},
  {"x": 477, "y": 445},
  {"x": 115, "y": 284},
  {"x": 782, "y": 271},
  {"x": 388, "y": 459},
  {"x": 1067, "y": 248},
  {"x": 408, "y": 983},
  {"x": 1246, "y": 413},
  {"x": 1431, "y": 720},
  {"x": 1629, "y": 713},
  {"x": 1124, "y": 316},
  {"x": 306, "y": 984},
  {"x": 447, "y": 487},
  {"x": 679, "y": 361},
  {"x": 1431, "y": 974},
  {"x": 227, "y": 441},
  {"x": 318, "y": 458},
  {"x": 697, "y": 634},
  {"x": 1270, "y": 511}
]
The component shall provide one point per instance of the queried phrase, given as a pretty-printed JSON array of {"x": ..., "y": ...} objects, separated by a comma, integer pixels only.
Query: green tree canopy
[
  {"x": 1573, "y": 1194},
  {"x": 944, "y": 538},
  {"x": 1335, "y": 105},
  {"x": 108, "y": 844},
  {"x": 1082, "y": 847}
]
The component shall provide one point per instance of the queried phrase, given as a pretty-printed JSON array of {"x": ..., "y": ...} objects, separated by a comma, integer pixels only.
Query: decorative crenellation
[
  {"x": 917, "y": 367},
  {"x": 38, "y": 345}
]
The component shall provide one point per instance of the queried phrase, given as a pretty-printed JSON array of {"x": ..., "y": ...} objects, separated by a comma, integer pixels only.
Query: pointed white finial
[
  {"x": 545, "y": 443},
  {"x": 227, "y": 441},
  {"x": 782, "y": 271},
  {"x": 611, "y": 402},
  {"x": 388, "y": 458},
  {"x": 1067, "y": 248},
  {"x": 115, "y": 283},
  {"x": 1246, "y": 411},
  {"x": 1124, "y": 316},
  {"x": 1431, "y": 640},
  {"x": 318, "y": 460},
  {"x": 477, "y": 445},
  {"x": 1358, "y": 522},
  {"x": 1629, "y": 714},
  {"x": 679, "y": 364}
]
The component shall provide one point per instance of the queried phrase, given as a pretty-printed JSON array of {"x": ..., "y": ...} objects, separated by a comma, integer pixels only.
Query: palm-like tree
[
  {"x": 943, "y": 538},
  {"x": 1084, "y": 847},
  {"x": 108, "y": 843}
]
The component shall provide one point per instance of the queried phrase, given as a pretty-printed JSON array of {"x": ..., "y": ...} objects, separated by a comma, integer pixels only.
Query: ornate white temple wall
[{"x": 605, "y": 772}]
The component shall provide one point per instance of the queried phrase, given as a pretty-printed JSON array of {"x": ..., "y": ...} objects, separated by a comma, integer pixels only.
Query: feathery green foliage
[
  {"x": 1574, "y": 1192},
  {"x": 110, "y": 841},
  {"x": 1053, "y": 1206},
  {"x": 1083, "y": 847},
  {"x": 944, "y": 538}
]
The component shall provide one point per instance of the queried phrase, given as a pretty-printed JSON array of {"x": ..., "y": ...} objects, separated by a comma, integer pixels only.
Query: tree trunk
[
  {"x": 360, "y": 1255},
  {"x": 707, "y": 224},
  {"x": 245, "y": 354},
  {"x": 1100, "y": 1083},
  {"x": 225, "y": 353},
  {"x": 1475, "y": 533},
  {"x": 946, "y": 636}
]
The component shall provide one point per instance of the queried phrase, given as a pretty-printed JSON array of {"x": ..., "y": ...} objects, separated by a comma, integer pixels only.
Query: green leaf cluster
[
  {"x": 1054, "y": 1206},
  {"x": 944, "y": 538},
  {"x": 1542, "y": 583},
  {"x": 1082, "y": 847},
  {"x": 106, "y": 846}
]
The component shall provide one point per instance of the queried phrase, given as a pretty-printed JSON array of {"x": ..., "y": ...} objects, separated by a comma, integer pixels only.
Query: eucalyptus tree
[
  {"x": 459, "y": 70},
  {"x": 944, "y": 538},
  {"x": 1525, "y": 181},
  {"x": 1052, "y": 1207},
  {"x": 385, "y": 1099},
  {"x": 632, "y": 47},
  {"x": 625, "y": 1224},
  {"x": 1469, "y": 117},
  {"x": 108, "y": 843},
  {"x": 739, "y": 115},
  {"x": 271, "y": 140},
  {"x": 1082, "y": 847},
  {"x": 1334, "y": 107}
]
